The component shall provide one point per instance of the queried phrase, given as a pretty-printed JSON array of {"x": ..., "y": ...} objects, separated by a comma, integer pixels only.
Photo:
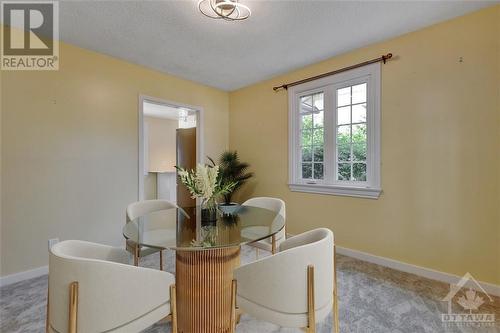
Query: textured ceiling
[{"x": 173, "y": 37}]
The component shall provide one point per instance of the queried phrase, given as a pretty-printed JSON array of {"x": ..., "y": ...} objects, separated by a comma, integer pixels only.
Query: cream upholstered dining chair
[
  {"x": 276, "y": 205},
  {"x": 136, "y": 210},
  {"x": 93, "y": 289},
  {"x": 294, "y": 288}
]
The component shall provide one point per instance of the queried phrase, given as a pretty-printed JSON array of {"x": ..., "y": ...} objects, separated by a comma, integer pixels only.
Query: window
[{"x": 335, "y": 134}]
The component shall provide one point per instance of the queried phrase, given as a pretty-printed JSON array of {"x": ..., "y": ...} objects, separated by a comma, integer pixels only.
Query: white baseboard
[
  {"x": 21, "y": 276},
  {"x": 490, "y": 288}
]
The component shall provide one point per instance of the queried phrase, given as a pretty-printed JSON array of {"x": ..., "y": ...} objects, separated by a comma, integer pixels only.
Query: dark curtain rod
[{"x": 383, "y": 58}]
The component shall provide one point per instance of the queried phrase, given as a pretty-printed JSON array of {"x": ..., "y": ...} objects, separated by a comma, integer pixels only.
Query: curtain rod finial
[{"x": 386, "y": 57}]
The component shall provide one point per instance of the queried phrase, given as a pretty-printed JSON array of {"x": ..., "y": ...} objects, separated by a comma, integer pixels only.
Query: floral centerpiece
[{"x": 206, "y": 183}]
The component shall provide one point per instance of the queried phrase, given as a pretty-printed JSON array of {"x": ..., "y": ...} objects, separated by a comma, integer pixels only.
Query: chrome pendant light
[{"x": 229, "y": 10}]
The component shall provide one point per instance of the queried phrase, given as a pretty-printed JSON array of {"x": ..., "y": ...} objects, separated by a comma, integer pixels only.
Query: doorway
[{"x": 170, "y": 134}]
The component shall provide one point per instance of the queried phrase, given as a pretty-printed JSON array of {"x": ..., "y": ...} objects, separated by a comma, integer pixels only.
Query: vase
[{"x": 208, "y": 213}]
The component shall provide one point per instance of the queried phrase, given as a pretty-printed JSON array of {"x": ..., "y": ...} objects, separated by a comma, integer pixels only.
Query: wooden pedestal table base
[{"x": 203, "y": 282}]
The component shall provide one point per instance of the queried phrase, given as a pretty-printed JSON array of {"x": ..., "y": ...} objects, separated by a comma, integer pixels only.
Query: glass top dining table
[{"x": 183, "y": 229}]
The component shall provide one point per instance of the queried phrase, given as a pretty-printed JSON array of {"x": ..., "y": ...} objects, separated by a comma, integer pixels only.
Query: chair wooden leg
[
  {"x": 311, "y": 321},
  {"x": 47, "y": 312},
  {"x": 136, "y": 255},
  {"x": 256, "y": 253},
  {"x": 166, "y": 319},
  {"x": 273, "y": 244},
  {"x": 73, "y": 307},
  {"x": 335, "y": 313},
  {"x": 238, "y": 314},
  {"x": 173, "y": 307},
  {"x": 161, "y": 260},
  {"x": 233, "y": 306}
]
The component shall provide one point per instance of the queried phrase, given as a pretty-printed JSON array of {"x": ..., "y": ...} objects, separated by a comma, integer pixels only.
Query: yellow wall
[
  {"x": 70, "y": 149},
  {"x": 440, "y": 150}
]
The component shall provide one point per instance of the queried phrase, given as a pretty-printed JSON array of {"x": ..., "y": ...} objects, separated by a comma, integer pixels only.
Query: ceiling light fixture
[
  {"x": 229, "y": 10},
  {"x": 183, "y": 114}
]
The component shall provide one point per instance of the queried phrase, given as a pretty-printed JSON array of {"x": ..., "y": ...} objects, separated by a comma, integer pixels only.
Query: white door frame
[{"x": 200, "y": 137}]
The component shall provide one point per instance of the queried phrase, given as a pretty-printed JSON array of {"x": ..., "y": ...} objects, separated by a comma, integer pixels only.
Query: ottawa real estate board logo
[
  {"x": 30, "y": 35},
  {"x": 465, "y": 302}
]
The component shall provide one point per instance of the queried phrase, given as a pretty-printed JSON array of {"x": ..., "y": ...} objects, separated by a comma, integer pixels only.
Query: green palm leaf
[{"x": 232, "y": 170}]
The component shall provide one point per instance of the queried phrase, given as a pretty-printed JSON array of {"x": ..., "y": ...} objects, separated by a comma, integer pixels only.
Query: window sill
[{"x": 348, "y": 191}]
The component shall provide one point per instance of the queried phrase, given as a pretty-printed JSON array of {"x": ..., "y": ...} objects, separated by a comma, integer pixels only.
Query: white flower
[
  {"x": 202, "y": 183},
  {"x": 183, "y": 173},
  {"x": 206, "y": 180}
]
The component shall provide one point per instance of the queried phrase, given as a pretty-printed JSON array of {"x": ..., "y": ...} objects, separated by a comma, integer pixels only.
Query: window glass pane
[
  {"x": 318, "y": 170},
  {"x": 344, "y": 171},
  {"x": 312, "y": 135},
  {"x": 306, "y": 104},
  {"x": 359, "y": 113},
  {"x": 306, "y": 170},
  {"x": 344, "y": 115},
  {"x": 359, "y": 171},
  {"x": 359, "y": 133},
  {"x": 343, "y": 134},
  {"x": 343, "y": 96},
  {"x": 306, "y": 121},
  {"x": 318, "y": 119},
  {"x": 318, "y": 154},
  {"x": 359, "y": 93},
  {"x": 318, "y": 136},
  {"x": 344, "y": 152},
  {"x": 306, "y": 138},
  {"x": 359, "y": 151},
  {"x": 306, "y": 154},
  {"x": 318, "y": 102}
]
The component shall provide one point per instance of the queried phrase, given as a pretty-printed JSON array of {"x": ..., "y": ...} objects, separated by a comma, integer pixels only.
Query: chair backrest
[
  {"x": 279, "y": 282},
  {"x": 141, "y": 208},
  {"x": 274, "y": 204},
  {"x": 105, "y": 286}
]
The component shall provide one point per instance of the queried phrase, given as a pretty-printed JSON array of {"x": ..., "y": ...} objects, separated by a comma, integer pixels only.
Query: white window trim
[{"x": 371, "y": 188}]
